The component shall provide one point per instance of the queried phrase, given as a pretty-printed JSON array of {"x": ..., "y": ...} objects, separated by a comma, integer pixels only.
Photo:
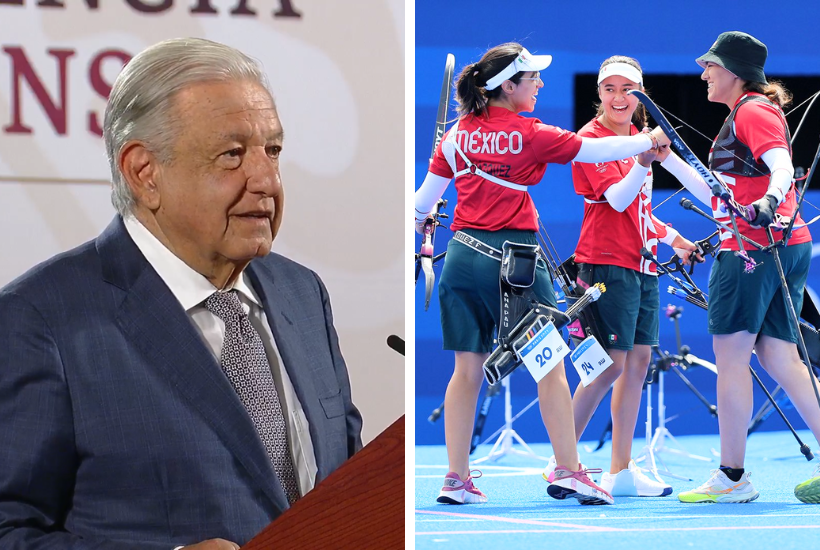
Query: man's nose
[{"x": 262, "y": 173}]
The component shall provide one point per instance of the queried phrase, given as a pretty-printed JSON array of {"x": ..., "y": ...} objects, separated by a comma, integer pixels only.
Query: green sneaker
[
  {"x": 720, "y": 488},
  {"x": 809, "y": 491}
]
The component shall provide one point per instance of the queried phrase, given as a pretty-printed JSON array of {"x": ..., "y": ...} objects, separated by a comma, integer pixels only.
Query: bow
[
  {"x": 719, "y": 188},
  {"x": 424, "y": 257},
  {"x": 812, "y": 98}
]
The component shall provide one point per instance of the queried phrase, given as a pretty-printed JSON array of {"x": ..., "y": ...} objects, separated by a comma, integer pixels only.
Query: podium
[{"x": 360, "y": 505}]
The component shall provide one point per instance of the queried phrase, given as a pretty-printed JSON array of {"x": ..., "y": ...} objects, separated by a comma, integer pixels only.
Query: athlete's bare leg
[
  {"x": 555, "y": 403},
  {"x": 626, "y": 401},
  {"x": 782, "y": 361},
  {"x": 461, "y": 399},
  {"x": 586, "y": 399},
  {"x": 459, "y": 409},
  {"x": 734, "y": 394}
]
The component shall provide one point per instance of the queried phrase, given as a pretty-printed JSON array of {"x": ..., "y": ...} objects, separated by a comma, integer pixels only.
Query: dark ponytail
[
  {"x": 471, "y": 93},
  {"x": 774, "y": 90}
]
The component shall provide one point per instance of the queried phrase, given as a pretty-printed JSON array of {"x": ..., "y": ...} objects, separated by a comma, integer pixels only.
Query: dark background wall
[{"x": 665, "y": 38}]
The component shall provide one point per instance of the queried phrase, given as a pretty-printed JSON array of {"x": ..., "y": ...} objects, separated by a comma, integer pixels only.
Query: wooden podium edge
[{"x": 360, "y": 505}]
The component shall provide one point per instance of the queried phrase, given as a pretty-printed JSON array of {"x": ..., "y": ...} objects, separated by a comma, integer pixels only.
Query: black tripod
[{"x": 690, "y": 293}]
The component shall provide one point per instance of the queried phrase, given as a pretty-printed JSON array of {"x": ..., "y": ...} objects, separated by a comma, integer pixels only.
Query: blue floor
[{"x": 519, "y": 513}]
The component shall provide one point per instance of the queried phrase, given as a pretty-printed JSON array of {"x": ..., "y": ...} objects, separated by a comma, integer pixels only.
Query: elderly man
[{"x": 172, "y": 382}]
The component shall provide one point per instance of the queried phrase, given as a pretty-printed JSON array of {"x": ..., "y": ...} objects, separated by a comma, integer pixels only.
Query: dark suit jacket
[{"x": 118, "y": 428}]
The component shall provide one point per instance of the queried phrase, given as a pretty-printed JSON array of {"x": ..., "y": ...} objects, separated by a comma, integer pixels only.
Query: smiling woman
[
  {"x": 618, "y": 223},
  {"x": 753, "y": 154},
  {"x": 495, "y": 155}
]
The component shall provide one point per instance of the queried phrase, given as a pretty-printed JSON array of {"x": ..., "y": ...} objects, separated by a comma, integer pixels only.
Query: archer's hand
[
  {"x": 663, "y": 152},
  {"x": 645, "y": 159},
  {"x": 765, "y": 208},
  {"x": 660, "y": 136},
  {"x": 686, "y": 250}
]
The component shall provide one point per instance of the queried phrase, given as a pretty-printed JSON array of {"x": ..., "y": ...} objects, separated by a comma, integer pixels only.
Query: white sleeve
[
  {"x": 666, "y": 233},
  {"x": 689, "y": 177},
  {"x": 621, "y": 194},
  {"x": 430, "y": 191},
  {"x": 610, "y": 148},
  {"x": 780, "y": 164}
]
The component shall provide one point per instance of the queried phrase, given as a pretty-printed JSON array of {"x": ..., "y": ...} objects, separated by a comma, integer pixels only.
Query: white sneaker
[
  {"x": 720, "y": 488},
  {"x": 632, "y": 482},
  {"x": 549, "y": 470}
]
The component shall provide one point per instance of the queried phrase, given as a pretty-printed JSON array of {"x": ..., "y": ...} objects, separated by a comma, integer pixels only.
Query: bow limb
[
  {"x": 426, "y": 259},
  {"x": 718, "y": 186}
]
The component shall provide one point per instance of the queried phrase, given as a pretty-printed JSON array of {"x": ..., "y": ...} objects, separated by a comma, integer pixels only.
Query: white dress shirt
[{"x": 192, "y": 289}]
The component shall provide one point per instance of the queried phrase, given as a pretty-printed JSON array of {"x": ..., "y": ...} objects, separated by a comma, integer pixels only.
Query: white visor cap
[
  {"x": 621, "y": 69},
  {"x": 524, "y": 62}
]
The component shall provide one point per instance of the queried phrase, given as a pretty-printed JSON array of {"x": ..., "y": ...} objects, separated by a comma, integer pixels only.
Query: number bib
[
  {"x": 543, "y": 351},
  {"x": 590, "y": 360}
]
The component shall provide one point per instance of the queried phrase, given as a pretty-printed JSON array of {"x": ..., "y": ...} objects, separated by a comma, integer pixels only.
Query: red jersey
[
  {"x": 610, "y": 237},
  {"x": 508, "y": 146},
  {"x": 760, "y": 127}
]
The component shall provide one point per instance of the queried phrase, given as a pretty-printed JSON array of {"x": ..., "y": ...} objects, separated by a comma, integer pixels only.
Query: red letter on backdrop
[
  {"x": 286, "y": 10},
  {"x": 92, "y": 4},
  {"x": 22, "y": 69},
  {"x": 141, "y": 6},
  {"x": 204, "y": 6},
  {"x": 101, "y": 86}
]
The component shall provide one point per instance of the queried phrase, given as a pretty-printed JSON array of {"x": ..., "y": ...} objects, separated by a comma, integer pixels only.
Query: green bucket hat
[{"x": 739, "y": 53}]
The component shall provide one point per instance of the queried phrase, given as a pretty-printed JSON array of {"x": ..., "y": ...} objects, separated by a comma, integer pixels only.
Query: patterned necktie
[{"x": 245, "y": 363}]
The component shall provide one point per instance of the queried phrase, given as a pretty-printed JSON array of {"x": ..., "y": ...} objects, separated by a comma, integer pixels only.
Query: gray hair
[{"x": 141, "y": 103}]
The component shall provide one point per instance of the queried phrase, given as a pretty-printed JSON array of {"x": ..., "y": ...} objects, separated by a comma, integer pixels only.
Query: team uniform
[
  {"x": 755, "y": 125},
  {"x": 609, "y": 248},
  {"x": 511, "y": 149}
]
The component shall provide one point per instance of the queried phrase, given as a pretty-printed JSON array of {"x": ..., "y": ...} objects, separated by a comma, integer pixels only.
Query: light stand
[{"x": 656, "y": 443}]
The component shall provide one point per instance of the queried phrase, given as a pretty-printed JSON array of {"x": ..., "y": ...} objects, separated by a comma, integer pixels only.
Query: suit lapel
[
  {"x": 282, "y": 311},
  {"x": 155, "y": 322}
]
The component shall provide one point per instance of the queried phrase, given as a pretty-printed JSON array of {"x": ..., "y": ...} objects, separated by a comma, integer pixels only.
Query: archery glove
[{"x": 765, "y": 207}]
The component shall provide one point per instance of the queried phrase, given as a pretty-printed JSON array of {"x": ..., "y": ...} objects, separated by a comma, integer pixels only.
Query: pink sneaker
[
  {"x": 568, "y": 483},
  {"x": 458, "y": 491}
]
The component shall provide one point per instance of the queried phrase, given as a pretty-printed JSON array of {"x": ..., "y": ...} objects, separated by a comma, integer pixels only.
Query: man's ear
[{"x": 140, "y": 167}]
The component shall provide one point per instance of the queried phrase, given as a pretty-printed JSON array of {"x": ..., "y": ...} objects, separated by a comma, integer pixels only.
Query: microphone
[
  {"x": 686, "y": 204},
  {"x": 396, "y": 343}
]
